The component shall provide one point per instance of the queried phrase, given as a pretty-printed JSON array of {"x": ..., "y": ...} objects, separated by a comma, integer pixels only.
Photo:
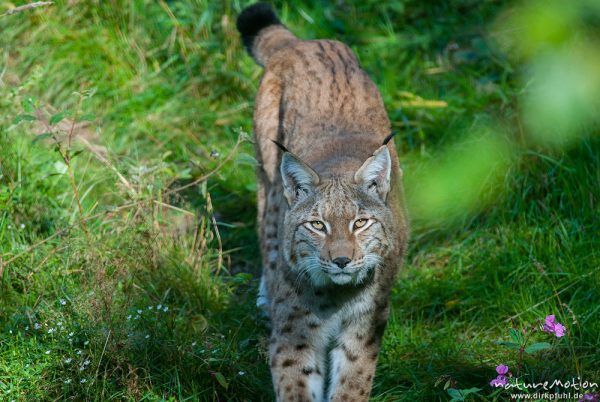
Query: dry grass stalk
[{"x": 27, "y": 7}]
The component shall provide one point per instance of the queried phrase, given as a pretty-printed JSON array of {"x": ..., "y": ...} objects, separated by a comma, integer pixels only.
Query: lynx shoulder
[{"x": 332, "y": 227}]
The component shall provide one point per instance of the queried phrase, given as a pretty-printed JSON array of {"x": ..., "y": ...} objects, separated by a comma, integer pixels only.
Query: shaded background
[{"x": 129, "y": 259}]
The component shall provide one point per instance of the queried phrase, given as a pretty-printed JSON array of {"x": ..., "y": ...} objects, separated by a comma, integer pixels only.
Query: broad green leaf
[
  {"x": 57, "y": 118},
  {"x": 466, "y": 392},
  {"x": 221, "y": 379},
  {"x": 28, "y": 104},
  {"x": 199, "y": 323},
  {"x": 185, "y": 174},
  {"x": 537, "y": 347},
  {"x": 246, "y": 159},
  {"x": 87, "y": 117},
  {"x": 510, "y": 345},
  {"x": 41, "y": 137},
  {"x": 24, "y": 117},
  {"x": 76, "y": 153},
  {"x": 455, "y": 394}
]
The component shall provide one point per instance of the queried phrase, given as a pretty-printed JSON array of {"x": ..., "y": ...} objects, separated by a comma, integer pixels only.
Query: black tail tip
[{"x": 253, "y": 19}]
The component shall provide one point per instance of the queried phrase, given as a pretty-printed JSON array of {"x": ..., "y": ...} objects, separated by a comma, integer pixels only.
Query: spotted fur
[{"x": 331, "y": 224}]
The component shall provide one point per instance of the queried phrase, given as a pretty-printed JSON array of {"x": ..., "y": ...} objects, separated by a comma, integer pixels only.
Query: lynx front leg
[
  {"x": 297, "y": 375},
  {"x": 297, "y": 356},
  {"x": 354, "y": 359}
]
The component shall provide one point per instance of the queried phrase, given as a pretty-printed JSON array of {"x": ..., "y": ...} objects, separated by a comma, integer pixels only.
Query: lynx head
[{"x": 339, "y": 230}]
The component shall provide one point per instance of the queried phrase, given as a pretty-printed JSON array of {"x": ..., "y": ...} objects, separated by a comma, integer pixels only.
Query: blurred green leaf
[
  {"x": 76, "y": 153},
  {"x": 60, "y": 167},
  {"x": 455, "y": 394},
  {"x": 221, "y": 380},
  {"x": 23, "y": 117},
  {"x": 562, "y": 101},
  {"x": 246, "y": 159},
  {"x": 57, "y": 118},
  {"x": 29, "y": 104},
  {"x": 41, "y": 137},
  {"x": 87, "y": 117},
  {"x": 510, "y": 345},
  {"x": 537, "y": 347},
  {"x": 459, "y": 182}
]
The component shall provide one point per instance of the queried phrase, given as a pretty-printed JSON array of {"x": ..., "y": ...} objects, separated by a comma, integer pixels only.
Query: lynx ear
[
  {"x": 374, "y": 174},
  {"x": 299, "y": 180}
]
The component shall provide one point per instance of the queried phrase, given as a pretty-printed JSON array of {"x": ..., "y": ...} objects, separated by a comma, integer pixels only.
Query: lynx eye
[
  {"x": 359, "y": 223},
  {"x": 318, "y": 225}
]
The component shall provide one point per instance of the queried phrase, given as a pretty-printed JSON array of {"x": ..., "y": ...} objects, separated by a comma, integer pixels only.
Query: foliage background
[{"x": 128, "y": 256}]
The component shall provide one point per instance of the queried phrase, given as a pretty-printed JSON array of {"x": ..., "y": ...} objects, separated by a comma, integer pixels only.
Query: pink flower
[
  {"x": 553, "y": 327},
  {"x": 501, "y": 380},
  {"x": 589, "y": 398},
  {"x": 502, "y": 369}
]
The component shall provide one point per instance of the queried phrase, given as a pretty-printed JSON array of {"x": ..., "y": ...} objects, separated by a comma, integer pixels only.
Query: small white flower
[
  {"x": 9, "y": 227},
  {"x": 63, "y": 301},
  {"x": 165, "y": 309},
  {"x": 27, "y": 328},
  {"x": 78, "y": 352},
  {"x": 83, "y": 380},
  {"x": 86, "y": 343},
  {"x": 150, "y": 307},
  {"x": 137, "y": 317},
  {"x": 10, "y": 331},
  {"x": 37, "y": 326},
  {"x": 47, "y": 352},
  {"x": 129, "y": 317},
  {"x": 22, "y": 226},
  {"x": 51, "y": 330},
  {"x": 241, "y": 372},
  {"x": 86, "y": 362},
  {"x": 67, "y": 381},
  {"x": 81, "y": 368},
  {"x": 60, "y": 324},
  {"x": 159, "y": 307},
  {"x": 71, "y": 334},
  {"x": 139, "y": 311},
  {"x": 68, "y": 360},
  {"x": 194, "y": 343},
  {"x": 147, "y": 337}
]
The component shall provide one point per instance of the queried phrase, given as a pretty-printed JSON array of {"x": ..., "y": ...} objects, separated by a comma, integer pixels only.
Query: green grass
[{"x": 171, "y": 93}]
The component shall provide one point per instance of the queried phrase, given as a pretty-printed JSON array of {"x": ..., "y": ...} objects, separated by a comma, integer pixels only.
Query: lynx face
[{"x": 337, "y": 231}]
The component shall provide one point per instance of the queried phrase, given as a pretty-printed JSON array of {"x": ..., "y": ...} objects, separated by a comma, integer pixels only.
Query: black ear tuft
[
  {"x": 252, "y": 20},
  {"x": 280, "y": 146},
  {"x": 389, "y": 137}
]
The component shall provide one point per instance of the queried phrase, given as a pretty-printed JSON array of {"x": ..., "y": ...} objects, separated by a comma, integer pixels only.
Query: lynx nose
[{"x": 341, "y": 261}]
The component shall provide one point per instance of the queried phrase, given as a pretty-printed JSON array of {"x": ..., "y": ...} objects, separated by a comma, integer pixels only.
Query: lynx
[{"x": 331, "y": 223}]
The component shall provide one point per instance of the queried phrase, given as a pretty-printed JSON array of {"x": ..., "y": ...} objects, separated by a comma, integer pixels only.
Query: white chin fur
[
  {"x": 319, "y": 277},
  {"x": 342, "y": 279}
]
